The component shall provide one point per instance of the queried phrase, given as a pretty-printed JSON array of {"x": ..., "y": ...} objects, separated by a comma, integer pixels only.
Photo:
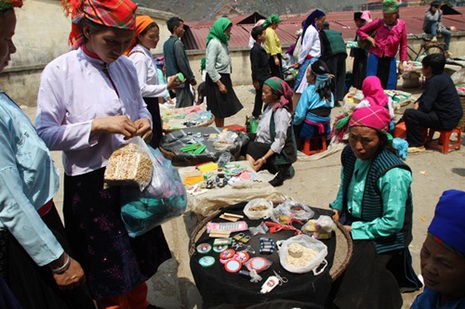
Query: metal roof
[{"x": 197, "y": 31}]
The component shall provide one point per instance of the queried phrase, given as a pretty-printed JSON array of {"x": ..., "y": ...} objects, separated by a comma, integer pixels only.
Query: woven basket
[
  {"x": 461, "y": 124},
  {"x": 344, "y": 246}
]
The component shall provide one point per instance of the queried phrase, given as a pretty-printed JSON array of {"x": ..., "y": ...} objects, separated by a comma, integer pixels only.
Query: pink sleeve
[
  {"x": 403, "y": 43},
  {"x": 363, "y": 32}
]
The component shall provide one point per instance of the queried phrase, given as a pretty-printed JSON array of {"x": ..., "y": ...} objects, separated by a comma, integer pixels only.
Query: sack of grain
[{"x": 129, "y": 165}]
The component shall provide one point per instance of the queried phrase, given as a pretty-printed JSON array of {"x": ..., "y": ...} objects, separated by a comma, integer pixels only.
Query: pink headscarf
[
  {"x": 374, "y": 92},
  {"x": 366, "y": 16},
  {"x": 375, "y": 117}
]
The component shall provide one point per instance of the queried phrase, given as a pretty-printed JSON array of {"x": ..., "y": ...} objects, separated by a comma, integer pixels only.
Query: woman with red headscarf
[
  {"x": 274, "y": 147},
  {"x": 146, "y": 37},
  {"x": 89, "y": 104},
  {"x": 374, "y": 204}
]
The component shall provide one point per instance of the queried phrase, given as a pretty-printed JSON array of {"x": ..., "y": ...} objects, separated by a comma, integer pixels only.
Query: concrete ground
[{"x": 315, "y": 183}]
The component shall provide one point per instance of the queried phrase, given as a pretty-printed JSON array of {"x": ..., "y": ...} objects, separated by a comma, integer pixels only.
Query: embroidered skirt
[{"x": 114, "y": 263}]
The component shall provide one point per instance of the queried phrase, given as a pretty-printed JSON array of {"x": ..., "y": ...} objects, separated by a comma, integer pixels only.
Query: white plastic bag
[
  {"x": 258, "y": 209},
  {"x": 309, "y": 263},
  {"x": 283, "y": 212}
]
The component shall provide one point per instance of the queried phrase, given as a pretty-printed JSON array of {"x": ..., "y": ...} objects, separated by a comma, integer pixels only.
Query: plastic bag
[
  {"x": 301, "y": 254},
  {"x": 283, "y": 212},
  {"x": 163, "y": 199},
  {"x": 129, "y": 165},
  {"x": 257, "y": 209}
]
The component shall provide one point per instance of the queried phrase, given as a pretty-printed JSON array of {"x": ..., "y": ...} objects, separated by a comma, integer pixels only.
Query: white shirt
[
  {"x": 147, "y": 73},
  {"x": 310, "y": 45},
  {"x": 282, "y": 121},
  {"x": 73, "y": 91}
]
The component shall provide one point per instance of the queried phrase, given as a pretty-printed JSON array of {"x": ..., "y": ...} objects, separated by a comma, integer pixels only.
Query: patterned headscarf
[
  {"x": 217, "y": 30},
  {"x": 142, "y": 22},
  {"x": 374, "y": 92},
  {"x": 323, "y": 80},
  {"x": 272, "y": 19},
  {"x": 282, "y": 90},
  {"x": 447, "y": 224},
  {"x": 390, "y": 6},
  {"x": 119, "y": 14},
  {"x": 9, "y": 4},
  {"x": 375, "y": 117},
  {"x": 310, "y": 21}
]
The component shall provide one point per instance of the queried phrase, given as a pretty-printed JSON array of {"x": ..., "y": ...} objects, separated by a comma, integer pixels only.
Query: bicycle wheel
[{"x": 434, "y": 49}]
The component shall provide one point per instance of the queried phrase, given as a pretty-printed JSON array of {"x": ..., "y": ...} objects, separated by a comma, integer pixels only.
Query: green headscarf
[
  {"x": 203, "y": 63},
  {"x": 390, "y": 6},
  {"x": 282, "y": 90},
  {"x": 272, "y": 19},
  {"x": 9, "y": 4},
  {"x": 217, "y": 30}
]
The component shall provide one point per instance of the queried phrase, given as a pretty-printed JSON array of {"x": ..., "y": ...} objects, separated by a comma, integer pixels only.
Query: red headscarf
[
  {"x": 9, "y": 4},
  {"x": 374, "y": 92},
  {"x": 375, "y": 117},
  {"x": 119, "y": 14},
  {"x": 142, "y": 22}
]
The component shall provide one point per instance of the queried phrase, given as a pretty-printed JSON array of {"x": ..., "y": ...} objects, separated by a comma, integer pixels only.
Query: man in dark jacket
[
  {"x": 177, "y": 62},
  {"x": 334, "y": 54},
  {"x": 438, "y": 107},
  {"x": 260, "y": 67}
]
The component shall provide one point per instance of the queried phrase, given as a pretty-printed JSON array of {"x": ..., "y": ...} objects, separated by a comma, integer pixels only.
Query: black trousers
[
  {"x": 276, "y": 70},
  {"x": 415, "y": 120},
  {"x": 258, "y": 105}
]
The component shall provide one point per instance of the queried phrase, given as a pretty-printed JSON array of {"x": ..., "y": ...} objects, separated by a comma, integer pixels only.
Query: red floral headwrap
[
  {"x": 9, "y": 4},
  {"x": 119, "y": 14}
]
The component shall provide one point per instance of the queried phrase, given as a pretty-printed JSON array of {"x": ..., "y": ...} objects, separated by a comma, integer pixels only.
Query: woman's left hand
[
  {"x": 143, "y": 129},
  {"x": 258, "y": 164},
  {"x": 400, "y": 68}
]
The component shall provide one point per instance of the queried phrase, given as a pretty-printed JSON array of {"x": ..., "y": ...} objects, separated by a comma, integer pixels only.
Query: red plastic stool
[
  {"x": 443, "y": 142},
  {"x": 314, "y": 145},
  {"x": 235, "y": 127}
]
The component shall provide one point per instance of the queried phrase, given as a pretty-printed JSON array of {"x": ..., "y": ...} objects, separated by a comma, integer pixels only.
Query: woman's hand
[
  {"x": 173, "y": 82},
  {"x": 222, "y": 87},
  {"x": 258, "y": 164},
  {"x": 276, "y": 61},
  {"x": 143, "y": 129},
  {"x": 71, "y": 277},
  {"x": 348, "y": 228},
  {"x": 400, "y": 68},
  {"x": 120, "y": 124},
  {"x": 371, "y": 40},
  {"x": 256, "y": 84}
]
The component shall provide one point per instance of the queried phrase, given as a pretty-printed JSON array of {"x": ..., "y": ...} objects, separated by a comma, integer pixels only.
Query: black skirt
[
  {"x": 154, "y": 109},
  {"x": 221, "y": 105},
  {"x": 114, "y": 263},
  {"x": 34, "y": 286}
]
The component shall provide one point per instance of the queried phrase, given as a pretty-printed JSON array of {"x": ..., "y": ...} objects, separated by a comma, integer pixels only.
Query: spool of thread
[{"x": 181, "y": 77}]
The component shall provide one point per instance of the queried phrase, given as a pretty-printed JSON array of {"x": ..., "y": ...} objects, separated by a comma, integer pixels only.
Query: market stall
[
  {"x": 186, "y": 117},
  {"x": 192, "y": 146},
  {"x": 224, "y": 274}
]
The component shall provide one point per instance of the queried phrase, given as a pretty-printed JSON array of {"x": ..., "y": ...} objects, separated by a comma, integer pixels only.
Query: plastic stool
[
  {"x": 443, "y": 142},
  {"x": 314, "y": 145},
  {"x": 235, "y": 127}
]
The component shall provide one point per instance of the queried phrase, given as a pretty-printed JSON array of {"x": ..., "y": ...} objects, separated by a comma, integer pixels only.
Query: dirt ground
[{"x": 315, "y": 183}]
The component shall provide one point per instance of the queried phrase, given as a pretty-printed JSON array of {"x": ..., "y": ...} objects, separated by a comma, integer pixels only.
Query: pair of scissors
[{"x": 282, "y": 280}]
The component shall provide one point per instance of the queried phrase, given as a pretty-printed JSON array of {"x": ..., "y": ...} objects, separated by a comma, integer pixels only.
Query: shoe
[
  {"x": 277, "y": 180},
  {"x": 416, "y": 149},
  {"x": 290, "y": 172},
  {"x": 434, "y": 39}
]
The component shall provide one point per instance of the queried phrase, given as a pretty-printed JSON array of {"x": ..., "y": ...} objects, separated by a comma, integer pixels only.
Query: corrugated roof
[{"x": 197, "y": 32}]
